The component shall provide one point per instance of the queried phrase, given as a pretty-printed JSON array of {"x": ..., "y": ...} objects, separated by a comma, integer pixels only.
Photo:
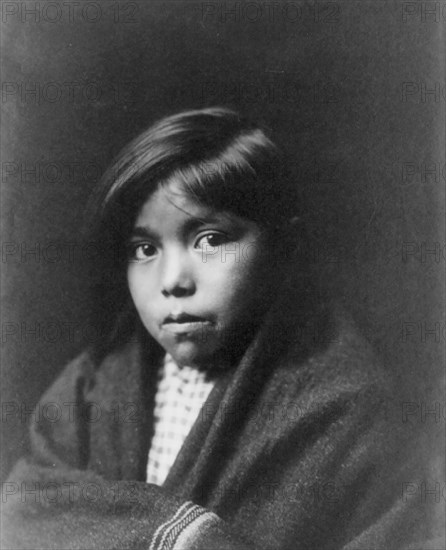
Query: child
[{"x": 225, "y": 406}]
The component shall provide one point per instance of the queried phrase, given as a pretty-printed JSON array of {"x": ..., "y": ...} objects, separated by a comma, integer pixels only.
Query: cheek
[
  {"x": 235, "y": 281},
  {"x": 139, "y": 285},
  {"x": 254, "y": 277},
  {"x": 248, "y": 262},
  {"x": 132, "y": 283},
  {"x": 251, "y": 253}
]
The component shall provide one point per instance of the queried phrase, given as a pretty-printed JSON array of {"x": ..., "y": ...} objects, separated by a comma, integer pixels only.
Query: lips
[
  {"x": 184, "y": 323},
  {"x": 183, "y": 318}
]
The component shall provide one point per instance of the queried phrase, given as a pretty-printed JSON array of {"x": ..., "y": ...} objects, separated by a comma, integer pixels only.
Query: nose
[{"x": 177, "y": 277}]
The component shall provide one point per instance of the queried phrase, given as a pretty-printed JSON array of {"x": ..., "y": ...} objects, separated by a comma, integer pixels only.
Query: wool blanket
[{"x": 295, "y": 449}]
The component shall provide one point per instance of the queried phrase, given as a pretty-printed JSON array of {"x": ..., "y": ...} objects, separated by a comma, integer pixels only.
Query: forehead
[{"x": 171, "y": 203}]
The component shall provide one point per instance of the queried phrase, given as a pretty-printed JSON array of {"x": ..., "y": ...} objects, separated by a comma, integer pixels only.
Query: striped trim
[
  {"x": 193, "y": 531},
  {"x": 189, "y": 518}
]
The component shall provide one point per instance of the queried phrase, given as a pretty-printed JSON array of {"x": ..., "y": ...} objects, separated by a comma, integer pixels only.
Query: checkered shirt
[{"x": 180, "y": 395}]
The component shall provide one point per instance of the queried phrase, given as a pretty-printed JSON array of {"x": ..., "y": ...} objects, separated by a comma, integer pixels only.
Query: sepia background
[{"x": 354, "y": 92}]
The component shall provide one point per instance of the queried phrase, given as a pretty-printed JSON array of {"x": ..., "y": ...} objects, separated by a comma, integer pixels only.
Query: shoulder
[
  {"x": 343, "y": 353},
  {"x": 334, "y": 346},
  {"x": 339, "y": 368},
  {"x": 85, "y": 371},
  {"x": 81, "y": 400}
]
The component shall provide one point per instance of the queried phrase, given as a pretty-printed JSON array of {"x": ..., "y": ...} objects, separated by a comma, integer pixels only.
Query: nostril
[{"x": 178, "y": 291}]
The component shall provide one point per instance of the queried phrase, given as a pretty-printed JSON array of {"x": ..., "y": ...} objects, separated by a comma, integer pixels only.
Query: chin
[{"x": 189, "y": 354}]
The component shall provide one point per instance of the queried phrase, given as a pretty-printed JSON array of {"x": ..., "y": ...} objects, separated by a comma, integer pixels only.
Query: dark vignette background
[{"x": 331, "y": 86}]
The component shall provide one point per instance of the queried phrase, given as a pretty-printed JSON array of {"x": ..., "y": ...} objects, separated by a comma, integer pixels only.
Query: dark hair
[{"x": 221, "y": 159}]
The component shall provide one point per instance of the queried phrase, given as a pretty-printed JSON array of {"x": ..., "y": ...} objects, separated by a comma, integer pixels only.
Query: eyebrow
[{"x": 189, "y": 225}]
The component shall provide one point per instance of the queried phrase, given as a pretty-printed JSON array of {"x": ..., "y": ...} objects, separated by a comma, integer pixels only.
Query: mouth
[{"x": 185, "y": 323}]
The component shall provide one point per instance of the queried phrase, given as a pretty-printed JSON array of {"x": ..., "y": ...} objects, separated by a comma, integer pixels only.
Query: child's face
[{"x": 198, "y": 278}]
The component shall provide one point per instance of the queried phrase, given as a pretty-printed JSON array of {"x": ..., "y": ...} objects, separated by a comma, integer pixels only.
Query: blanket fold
[{"x": 295, "y": 449}]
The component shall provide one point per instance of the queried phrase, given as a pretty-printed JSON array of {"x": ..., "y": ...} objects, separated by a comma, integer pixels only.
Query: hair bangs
[{"x": 240, "y": 178}]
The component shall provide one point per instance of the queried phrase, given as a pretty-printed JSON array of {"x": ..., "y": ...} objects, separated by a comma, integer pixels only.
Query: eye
[
  {"x": 140, "y": 252},
  {"x": 211, "y": 240}
]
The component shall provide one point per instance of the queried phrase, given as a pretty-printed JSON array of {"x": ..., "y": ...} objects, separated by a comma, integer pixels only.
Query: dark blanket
[{"x": 297, "y": 448}]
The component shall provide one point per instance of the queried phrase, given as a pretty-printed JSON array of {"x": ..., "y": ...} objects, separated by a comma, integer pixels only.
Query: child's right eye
[{"x": 141, "y": 252}]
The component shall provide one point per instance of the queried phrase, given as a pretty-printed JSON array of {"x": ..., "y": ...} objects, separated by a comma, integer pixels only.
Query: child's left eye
[{"x": 211, "y": 240}]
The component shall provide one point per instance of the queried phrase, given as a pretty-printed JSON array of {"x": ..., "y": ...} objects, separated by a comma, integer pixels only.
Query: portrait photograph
[{"x": 223, "y": 275}]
